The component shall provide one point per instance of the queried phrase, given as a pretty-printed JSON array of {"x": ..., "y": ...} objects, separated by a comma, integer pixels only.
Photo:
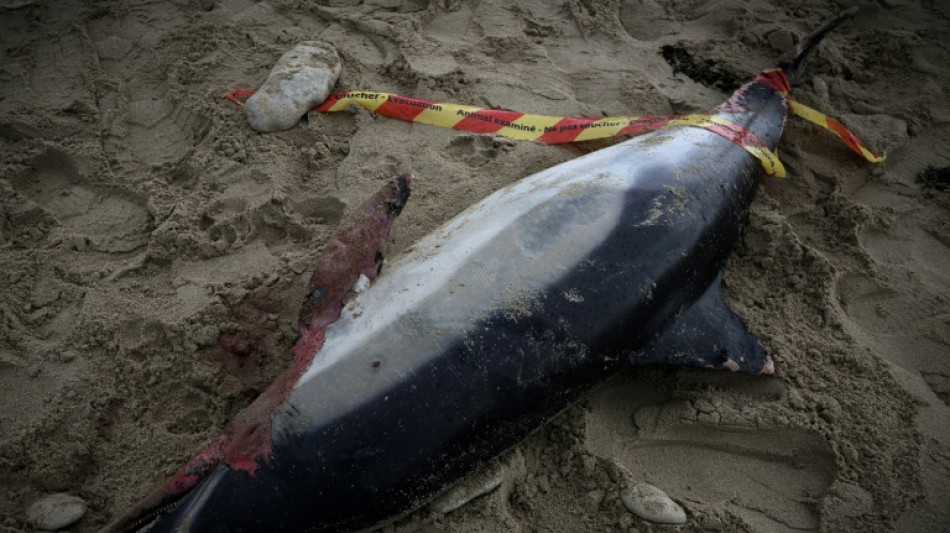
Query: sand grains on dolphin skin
[
  {"x": 56, "y": 511},
  {"x": 651, "y": 503},
  {"x": 301, "y": 79}
]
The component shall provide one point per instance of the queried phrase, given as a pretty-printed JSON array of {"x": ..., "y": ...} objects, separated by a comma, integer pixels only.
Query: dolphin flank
[{"x": 486, "y": 329}]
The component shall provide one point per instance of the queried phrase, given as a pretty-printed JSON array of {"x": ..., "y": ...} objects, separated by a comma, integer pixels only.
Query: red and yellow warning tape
[
  {"x": 554, "y": 130},
  {"x": 540, "y": 128},
  {"x": 831, "y": 124},
  {"x": 776, "y": 79}
]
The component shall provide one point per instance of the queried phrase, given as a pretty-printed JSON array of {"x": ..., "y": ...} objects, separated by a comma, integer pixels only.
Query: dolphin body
[{"x": 485, "y": 330}]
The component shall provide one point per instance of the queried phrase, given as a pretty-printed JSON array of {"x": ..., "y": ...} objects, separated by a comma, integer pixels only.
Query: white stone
[
  {"x": 651, "y": 503},
  {"x": 55, "y": 511},
  {"x": 301, "y": 79}
]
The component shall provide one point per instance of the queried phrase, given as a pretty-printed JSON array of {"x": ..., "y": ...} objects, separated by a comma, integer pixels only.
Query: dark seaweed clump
[
  {"x": 706, "y": 71},
  {"x": 934, "y": 178}
]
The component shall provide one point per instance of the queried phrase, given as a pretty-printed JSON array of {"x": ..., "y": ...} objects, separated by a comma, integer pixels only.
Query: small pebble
[
  {"x": 477, "y": 485},
  {"x": 651, "y": 503},
  {"x": 56, "y": 511},
  {"x": 301, "y": 79}
]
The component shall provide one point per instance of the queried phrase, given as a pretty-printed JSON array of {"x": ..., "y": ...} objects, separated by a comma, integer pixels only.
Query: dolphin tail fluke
[
  {"x": 797, "y": 69},
  {"x": 709, "y": 335}
]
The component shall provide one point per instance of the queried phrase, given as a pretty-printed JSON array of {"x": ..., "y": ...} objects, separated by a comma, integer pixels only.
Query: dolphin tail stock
[
  {"x": 705, "y": 332},
  {"x": 798, "y": 68}
]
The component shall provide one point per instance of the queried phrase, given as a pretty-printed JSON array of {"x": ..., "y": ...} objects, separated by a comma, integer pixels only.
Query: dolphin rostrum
[{"x": 486, "y": 329}]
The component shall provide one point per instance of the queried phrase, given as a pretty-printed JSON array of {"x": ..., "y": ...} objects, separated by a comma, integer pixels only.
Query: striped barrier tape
[
  {"x": 776, "y": 79},
  {"x": 540, "y": 128},
  {"x": 831, "y": 124},
  {"x": 554, "y": 130},
  {"x": 543, "y": 128}
]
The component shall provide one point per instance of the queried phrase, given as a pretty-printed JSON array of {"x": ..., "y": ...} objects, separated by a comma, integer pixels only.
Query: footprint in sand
[
  {"x": 646, "y": 21},
  {"x": 907, "y": 329},
  {"x": 162, "y": 131},
  {"x": 89, "y": 217},
  {"x": 904, "y": 314},
  {"x": 772, "y": 479},
  {"x": 53, "y": 79},
  {"x": 476, "y": 151},
  {"x": 251, "y": 208},
  {"x": 447, "y": 27},
  {"x": 144, "y": 124},
  {"x": 320, "y": 210},
  {"x": 912, "y": 248},
  {"x": 182, "y": 410}
]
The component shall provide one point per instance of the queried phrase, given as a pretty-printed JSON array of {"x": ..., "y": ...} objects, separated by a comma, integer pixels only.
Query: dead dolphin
[{"x": 486, "y": 329}]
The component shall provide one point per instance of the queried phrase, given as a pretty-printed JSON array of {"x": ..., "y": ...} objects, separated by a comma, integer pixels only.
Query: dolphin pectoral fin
[
  {"x": 709, "y": 335},
  {"x": 350, "y": 260}
]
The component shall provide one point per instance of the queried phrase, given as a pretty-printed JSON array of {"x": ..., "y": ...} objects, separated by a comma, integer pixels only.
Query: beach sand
[{"x": 141, "y": 218}]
